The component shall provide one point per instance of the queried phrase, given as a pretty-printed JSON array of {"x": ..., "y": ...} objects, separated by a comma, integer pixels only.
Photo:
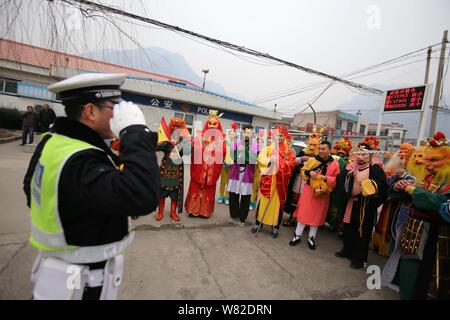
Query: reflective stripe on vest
[
  {"x": 92, "y": 254},
  {"x": 47, "y": 233}
]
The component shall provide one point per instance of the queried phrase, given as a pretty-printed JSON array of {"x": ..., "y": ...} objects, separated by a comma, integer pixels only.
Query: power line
[
  {"x": 104, "y": 8},
  {"x": 317, "y": 97},
  {"x": 291, "y": 108},
  {"x": 297, "y": 89},
  {"x": 307, "y": 88}
]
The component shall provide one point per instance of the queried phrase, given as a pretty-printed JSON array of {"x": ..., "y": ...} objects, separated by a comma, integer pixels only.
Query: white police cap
[{"x": 89, "y": 87}]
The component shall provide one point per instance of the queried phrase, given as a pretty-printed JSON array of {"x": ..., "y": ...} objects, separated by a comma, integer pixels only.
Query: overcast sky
[
  {"x": 331, "y": 36},
  {"x": 336, "y": 37}
]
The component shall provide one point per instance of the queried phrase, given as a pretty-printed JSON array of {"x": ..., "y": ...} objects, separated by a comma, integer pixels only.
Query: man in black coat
[
  {"x": 89, "y": 193},
  {"x": 46, "y": 117},
  {"x": 361, "y": 211}
]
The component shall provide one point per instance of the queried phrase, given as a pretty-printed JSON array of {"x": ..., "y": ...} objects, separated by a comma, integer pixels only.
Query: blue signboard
[{"x": 183, "y": 107}]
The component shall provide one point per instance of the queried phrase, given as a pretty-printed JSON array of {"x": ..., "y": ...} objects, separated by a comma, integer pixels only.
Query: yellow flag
[{"x": 163, "y": 131}]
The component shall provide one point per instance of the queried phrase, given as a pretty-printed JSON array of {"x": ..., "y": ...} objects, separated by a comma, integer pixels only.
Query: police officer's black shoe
[{"x": 311, "y": 243}]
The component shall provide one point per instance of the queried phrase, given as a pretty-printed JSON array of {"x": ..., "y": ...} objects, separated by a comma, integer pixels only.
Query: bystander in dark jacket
[
  {"x": 29, "y": 119},
  {"x": 46, "y": 117}
]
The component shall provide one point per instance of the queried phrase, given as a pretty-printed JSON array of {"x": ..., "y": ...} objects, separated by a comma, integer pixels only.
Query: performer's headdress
[
  {"x": 178, "y": 122},
  {"x": 344, "y": 144},
  {"x": 213, "y": 120},
  {"x": 438, "y": 140},
  {"x": 314, "y": 140},
  {"x": 439, "y": 150},
  {"x": 316, "y": 135},
  {"x": 370, "y": 143},
  {"x": 284, "y": 131}
]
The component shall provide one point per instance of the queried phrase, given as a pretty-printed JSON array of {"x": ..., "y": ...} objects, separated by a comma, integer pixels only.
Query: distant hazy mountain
[
  {"x": 370, "y": 110},
  {"x": 159, "y": 60}
]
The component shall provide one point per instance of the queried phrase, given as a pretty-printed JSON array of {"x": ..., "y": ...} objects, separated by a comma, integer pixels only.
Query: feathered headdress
[
  {"x": 215, "y": 114},
  {"x": 316, "y": 135},
  {"x": 344, "y": 144},
  {"x": 372, "y": 142},
  {"x": 213, "y": 121}
]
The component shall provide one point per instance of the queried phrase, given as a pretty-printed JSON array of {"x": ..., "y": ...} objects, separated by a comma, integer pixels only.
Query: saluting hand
[{"x": 125, "y": 114}]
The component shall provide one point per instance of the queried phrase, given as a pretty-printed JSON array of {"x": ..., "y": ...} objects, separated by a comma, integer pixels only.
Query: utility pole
[
  {"x": 358, "y": 129},
  {"x": 205, "y": 71},
  {"x": 427, "y": 69},
  {"x": 425, "y": 107},
  {"x": 438, "y": 85},
  {"x": 380, "y": 116}
]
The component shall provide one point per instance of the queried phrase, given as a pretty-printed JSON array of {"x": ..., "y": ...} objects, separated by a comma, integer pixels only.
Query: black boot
[
  {"x": 295, "y": 240},
  {"x": 311, "y": 243}
]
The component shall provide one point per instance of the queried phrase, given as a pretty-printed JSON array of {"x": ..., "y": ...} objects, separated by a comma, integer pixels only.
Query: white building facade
[
  {"x": 334, "y": 123},
  {"x": 394, "y": 131}
]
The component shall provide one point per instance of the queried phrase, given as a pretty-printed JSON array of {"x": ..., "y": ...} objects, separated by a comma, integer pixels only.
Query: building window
[
  {"x": 241, "y": 124},
  {"x": 362, "y": 129},
  {"x": 34, "y": 90},
  {"x": 26, "y": 89},
  {"x": 338, "y": 124},
  {"x": 9, "y": 86},
  {"x": 371, "y": 132},
  {"x": 258, "y": 129},
  {"x": 396, "y": 136},
  {"x": 350, "y": 126},
  {"x": 188, "y": 119}
]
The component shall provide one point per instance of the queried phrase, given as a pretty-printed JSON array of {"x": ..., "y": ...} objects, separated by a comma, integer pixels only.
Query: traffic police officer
[{"x": 81, "y": 194}]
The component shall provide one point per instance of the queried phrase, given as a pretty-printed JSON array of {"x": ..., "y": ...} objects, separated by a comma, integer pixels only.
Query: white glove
[{"x": 125, "y": 114}]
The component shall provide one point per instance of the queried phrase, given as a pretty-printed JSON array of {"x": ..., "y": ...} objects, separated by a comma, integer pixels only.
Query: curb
[{"x": 9, "y": 139}]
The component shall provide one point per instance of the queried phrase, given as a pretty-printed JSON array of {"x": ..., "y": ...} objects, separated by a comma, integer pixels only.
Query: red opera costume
[{"x": 206, "y": 164}]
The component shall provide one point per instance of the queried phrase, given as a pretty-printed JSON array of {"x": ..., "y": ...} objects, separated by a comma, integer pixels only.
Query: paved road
[{"x": 193, "y": 259}]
